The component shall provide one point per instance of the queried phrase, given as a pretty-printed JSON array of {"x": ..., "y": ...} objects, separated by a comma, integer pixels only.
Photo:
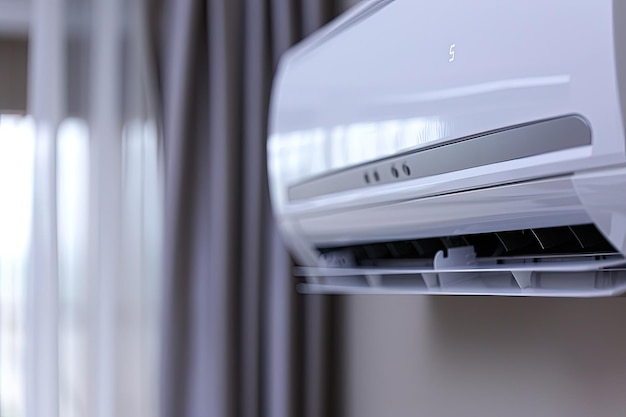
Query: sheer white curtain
[{"x": 80, "y": 252}]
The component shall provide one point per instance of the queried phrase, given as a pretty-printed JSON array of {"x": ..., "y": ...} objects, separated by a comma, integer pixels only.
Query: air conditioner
[{"x": 454, "y": 147}]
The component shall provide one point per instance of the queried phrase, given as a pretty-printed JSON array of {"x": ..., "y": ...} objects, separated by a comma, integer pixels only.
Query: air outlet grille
[{"x": 551, "y": 242}]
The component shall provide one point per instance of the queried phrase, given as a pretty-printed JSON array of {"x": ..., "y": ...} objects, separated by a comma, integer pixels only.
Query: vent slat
[
  {"x": 589, "y": 236},
  {"x": 554, "y": 237},
  {"x": 516, "y": 240}
]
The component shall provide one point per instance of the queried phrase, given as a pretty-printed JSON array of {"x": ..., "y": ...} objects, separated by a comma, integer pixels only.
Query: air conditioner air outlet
[{"x": 548, "y": 244}]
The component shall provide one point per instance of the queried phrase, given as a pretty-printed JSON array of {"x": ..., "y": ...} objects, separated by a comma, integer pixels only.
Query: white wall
[{"x": 483, "y": 356}]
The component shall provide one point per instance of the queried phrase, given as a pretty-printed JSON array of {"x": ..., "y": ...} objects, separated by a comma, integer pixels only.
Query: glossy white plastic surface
[{"x": 396, "y": 76}]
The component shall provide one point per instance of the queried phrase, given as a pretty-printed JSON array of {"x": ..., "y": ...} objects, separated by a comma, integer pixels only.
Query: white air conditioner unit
[{"x": 454, "y": 147}]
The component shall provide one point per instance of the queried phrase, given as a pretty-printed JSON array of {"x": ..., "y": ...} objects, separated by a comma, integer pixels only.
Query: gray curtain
[{"x": 238, "y": 340}]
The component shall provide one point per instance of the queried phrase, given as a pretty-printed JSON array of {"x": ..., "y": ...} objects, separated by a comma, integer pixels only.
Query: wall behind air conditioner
[{"x": 482, "y": 356}]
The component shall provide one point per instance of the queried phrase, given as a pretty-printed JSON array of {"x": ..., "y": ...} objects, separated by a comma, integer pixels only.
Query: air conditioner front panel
[{"x": 384, "y": 83}]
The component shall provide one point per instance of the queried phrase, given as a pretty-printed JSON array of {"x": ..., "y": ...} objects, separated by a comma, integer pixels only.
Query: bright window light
[{"x": 16, "y": 184}]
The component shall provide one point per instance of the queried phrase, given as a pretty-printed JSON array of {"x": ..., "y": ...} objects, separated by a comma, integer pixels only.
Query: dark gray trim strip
[{"x": 503, "y": 145}]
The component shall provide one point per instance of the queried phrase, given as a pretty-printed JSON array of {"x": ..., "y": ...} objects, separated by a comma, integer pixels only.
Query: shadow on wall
[{"x": 482, "y": 356}]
